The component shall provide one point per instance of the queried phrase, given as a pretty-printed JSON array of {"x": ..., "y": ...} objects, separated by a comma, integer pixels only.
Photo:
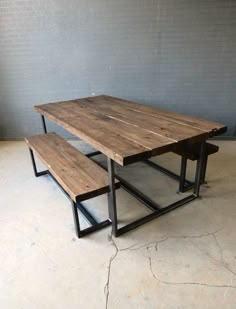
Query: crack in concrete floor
[
  {"x": 112, "y": 258},
  {"x": 155, "y": 245}
]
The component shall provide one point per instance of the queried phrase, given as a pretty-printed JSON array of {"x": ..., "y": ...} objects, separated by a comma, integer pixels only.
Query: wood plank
[
  {"x": 150, "y": 140},
  {"x": 187, "y": 120},
  {"x": 77, "y": 174},
  {"x": 115, "y": 146},
  {"x": 162, "y": 127},
  {"x": 120, "y": 149},
  {"x": 214, "y": 127}
]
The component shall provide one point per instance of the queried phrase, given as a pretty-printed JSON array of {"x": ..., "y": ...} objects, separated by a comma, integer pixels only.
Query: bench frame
[{"x": 95, "y": 226}]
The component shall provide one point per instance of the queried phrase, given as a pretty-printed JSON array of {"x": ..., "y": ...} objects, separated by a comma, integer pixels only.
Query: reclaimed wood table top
[{"x": 125, "y": 131}]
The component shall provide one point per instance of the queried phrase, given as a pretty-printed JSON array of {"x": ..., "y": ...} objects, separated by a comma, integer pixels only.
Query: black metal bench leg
[
  {"x": 76, "y": 218},
  {"x": 112, "y": 196},
  {"x": 95, "y": 226},
  {"x": 36, "y": 173},
  {"x": 182, "y": 174}
]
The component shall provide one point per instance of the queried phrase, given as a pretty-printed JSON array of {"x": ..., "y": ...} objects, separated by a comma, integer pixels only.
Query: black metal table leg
[
  {"x": 43, "y": 124},
  {"x": 182, "y": 173},
  {"x": 199, "y": 171},
  {"x": 112, "y": 196},
  {"x": 203, "y": 176}
]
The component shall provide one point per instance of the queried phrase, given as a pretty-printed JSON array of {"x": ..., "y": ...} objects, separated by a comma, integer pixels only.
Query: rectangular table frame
[{"x": 156, "y": 210}]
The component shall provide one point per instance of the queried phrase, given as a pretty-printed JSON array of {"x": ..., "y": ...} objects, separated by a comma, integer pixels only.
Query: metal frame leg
[
  {"x": 203, "y": 176},
  {"x": 199, "y": 169},
  {"x": 76, "y": 218},
  {"x": 112, "y": 196},
  {"x": 95, "y": 226},
  {"x": 43, "y": 124},
  {"x": 182, "y": 173},
  {"x": 36, "y": 173}
]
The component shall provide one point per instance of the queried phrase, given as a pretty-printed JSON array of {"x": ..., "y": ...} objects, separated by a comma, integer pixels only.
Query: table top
[{"x": 125, "y": 131}]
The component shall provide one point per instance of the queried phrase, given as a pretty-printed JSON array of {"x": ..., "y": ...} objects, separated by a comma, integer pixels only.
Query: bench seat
[
  {"x": 192, "y": 151},
  {"x": 79, "y": 176},
  {"x": 187, "y": 152}
]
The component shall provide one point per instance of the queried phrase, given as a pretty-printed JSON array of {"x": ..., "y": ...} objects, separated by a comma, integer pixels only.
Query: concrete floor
[{"x": 185, "y": 259}]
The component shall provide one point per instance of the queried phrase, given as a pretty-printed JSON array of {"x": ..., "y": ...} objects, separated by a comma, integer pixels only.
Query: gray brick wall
[{"x": 177, "y": 54}]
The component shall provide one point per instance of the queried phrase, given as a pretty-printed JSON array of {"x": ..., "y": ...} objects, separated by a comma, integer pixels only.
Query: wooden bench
[
  {"x": 192, "y": 152},
  {"x": 77, "y": 175},
  {"x": 187, "y": 152}
]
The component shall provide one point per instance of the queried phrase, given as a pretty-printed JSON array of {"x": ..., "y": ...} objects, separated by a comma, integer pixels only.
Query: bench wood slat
[{"x": 78, "y": 175}]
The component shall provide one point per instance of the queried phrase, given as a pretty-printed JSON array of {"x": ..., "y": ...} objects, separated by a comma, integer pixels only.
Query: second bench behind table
[
  {"x": 187, "y": 152},
  {"x": 192, "y": 152}
]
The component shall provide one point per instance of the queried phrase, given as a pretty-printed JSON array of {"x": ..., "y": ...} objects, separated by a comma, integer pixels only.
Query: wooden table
[{"x": 127, "y": 132}]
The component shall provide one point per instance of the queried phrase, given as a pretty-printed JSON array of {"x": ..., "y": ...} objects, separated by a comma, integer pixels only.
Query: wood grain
[
  {"x": 203, "y": 124},
  {"x": 126, "y": 131},
  {"x": 78, "y": 175}
]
